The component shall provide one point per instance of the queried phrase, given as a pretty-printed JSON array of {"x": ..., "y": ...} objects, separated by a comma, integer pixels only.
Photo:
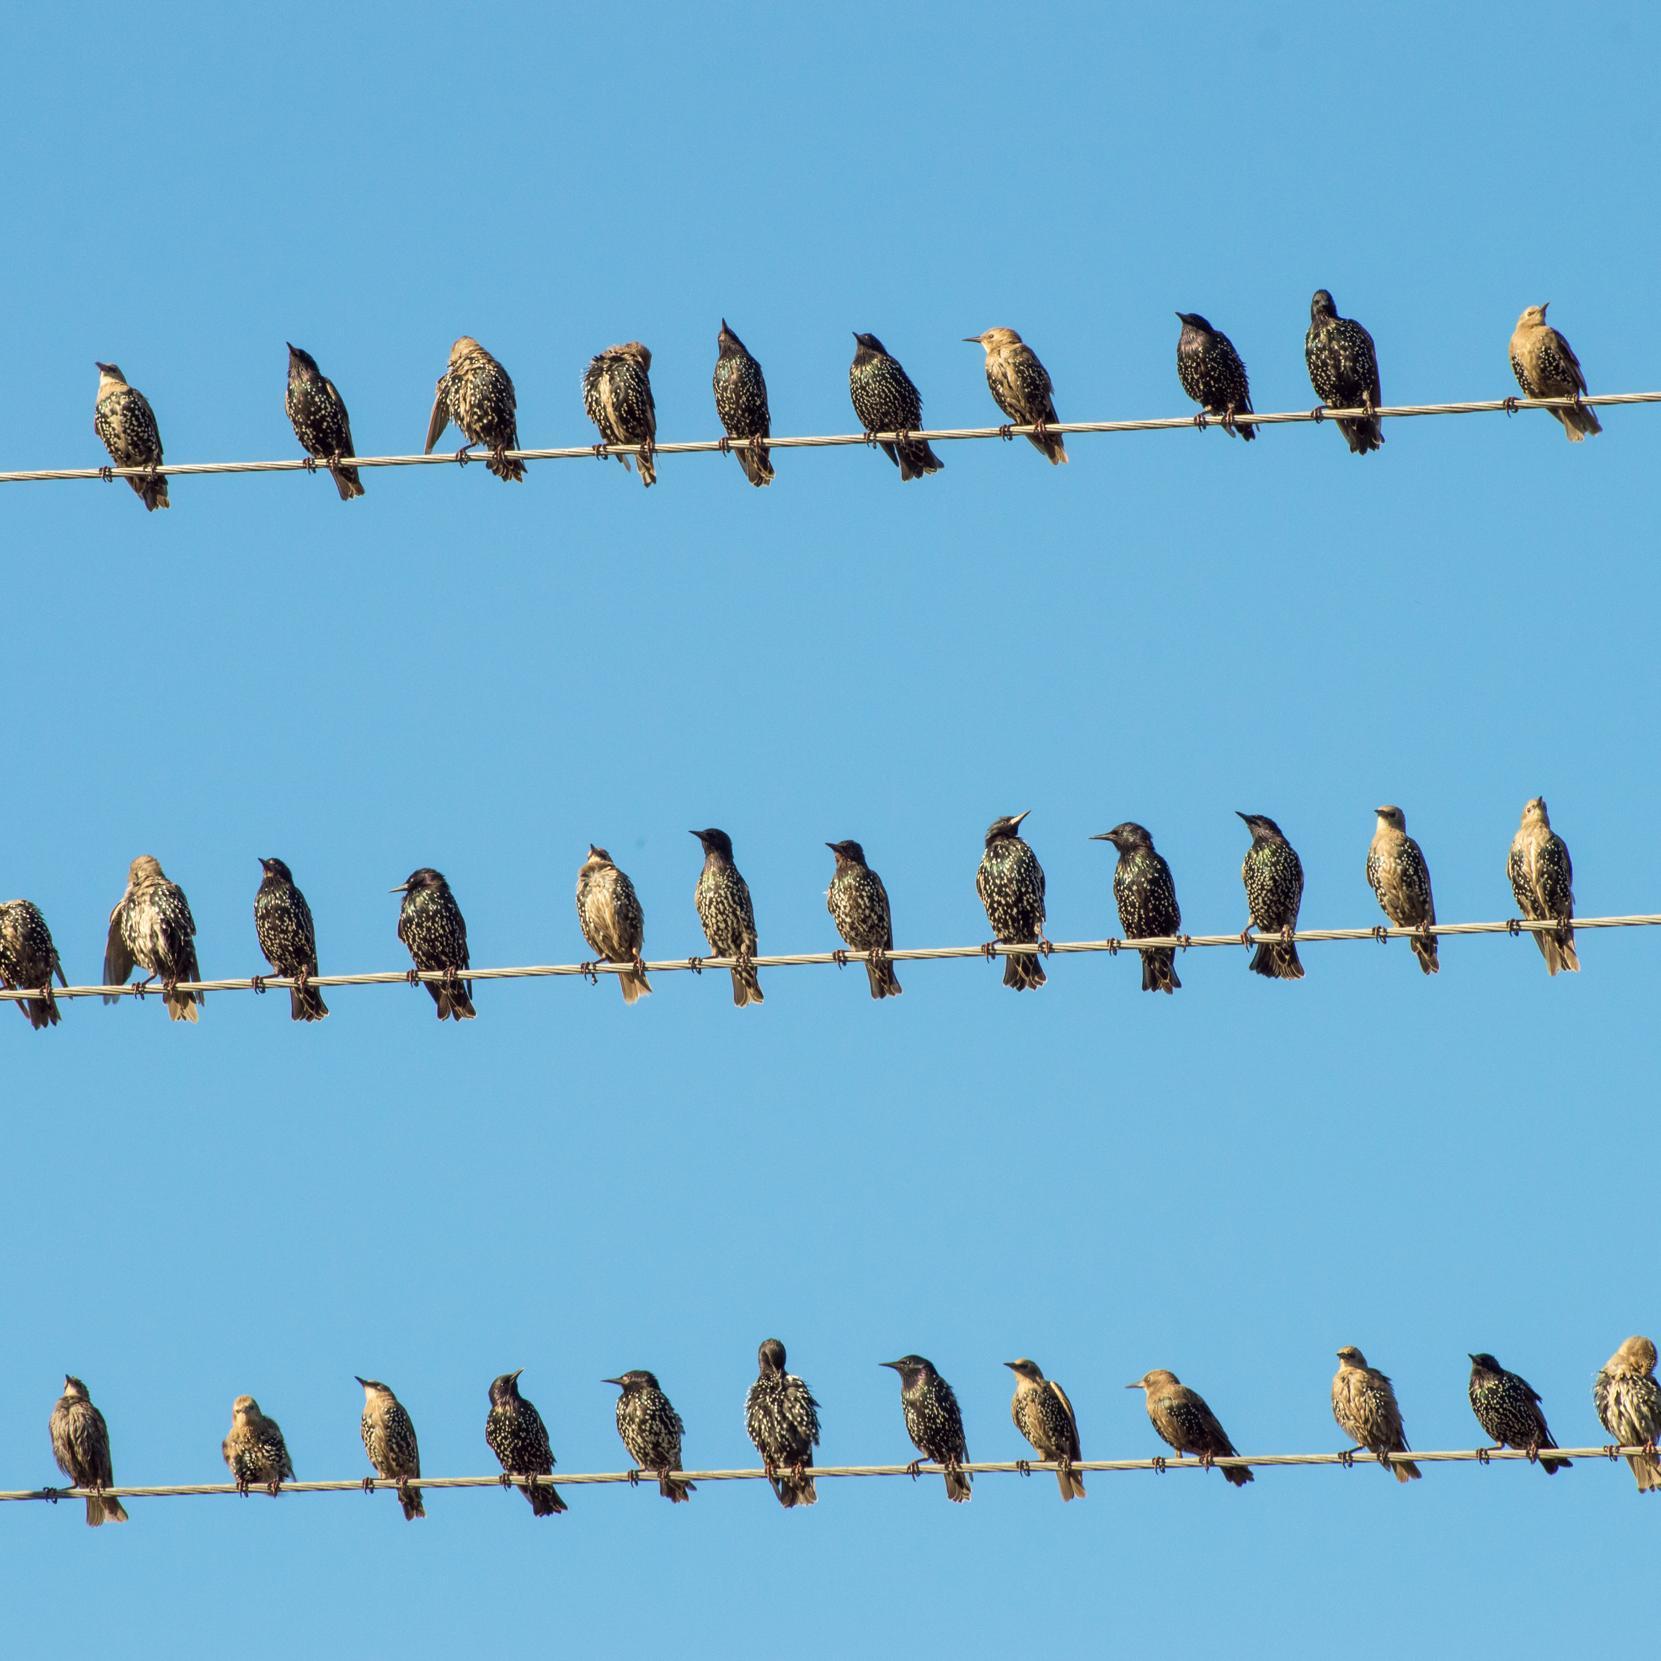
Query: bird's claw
[
  {"x": 1024, "y": 1466},
  {"x": 799, "y": 1471},
  {"x": 599, "y": 452},
  {"x": 589, "y": 973},
  {"x": 462, "y": 457},
  {"x": 51, "y": 1495},
  {"x": 1046, "y": 948},
  {"x": 695, "y": 964},
  {"x": 1346, "y": 1458},
  {"x": 275, "y": 1487},
  {"x": 839, "y": 958},
  {"x": 1159, "y": 1464},
  {"x": 242, "y": 1486},
  {"x": 1509, "y": 405},
  {"x": 1318, "y": 414},
  {"x": 309, "y": 463},
  {"x": 1612, "y": 1450},
  {"x": 990, "y": 950},
  {"x": 1229, "y": 426},
  {"x": 1207, "y": 1460},
  {"x": 1246, "y": 935},
  {"x": 638, "y": 963},
  {"x": 107, "y": 474},
  {"x": 1513, "y": 926},
  {"x": 258, "y": 983},
  {"x": 1482, "y": 1456},
  {"x": 1287, "y": 934},
  {"x": 1185, "y": 941},
  {"x": 499, "y": 455},
  {"x": 914, "y": 1469},
  {"x": 413, "y": 976},
  {"x": 634, "y": 1478},
  {"x": 1007, "y": 433},
  {"x": 506, "y": 1479},
  {"x": 1202, "y": 420},
  {"x": 724, "y": 444},
  {"x": 1381, "y": 934},
  {"x": 1532, "y": 1452},
  {"x": 870, "y": 439},
  {"x": 369, "y": 1485}
]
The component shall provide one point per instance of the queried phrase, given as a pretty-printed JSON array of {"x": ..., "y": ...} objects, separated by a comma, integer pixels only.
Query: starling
[
  {"x": 1010, "y": 883},
  {"x": 282, "y": 920},
  {"x": 389, "y": 1440},
  {"x": 151, "y": 926},
  {"x": 1364, "y": 1404},
  {"x": 122, "y": 417},
  {"x": 1542, "y": 880},
  {"x": 1628, "y": 1401},
  {"x": 28, "y": 960},
  {"x": 81, "y": 1446},
  {"x": 430, "y": 923},
  {"x": 1043, "y": 1414},
  {"x": 612, "y": 922},
  {"x": 476, "y": 392},
  {"x": 1508, "y": 1409},
  {"x": 858, "y": 901},
  {"x": 254, "y": 1449},
  {"x": 1212, "y": 374},
  {"x": 782, "y": 1419},
  {"x": 617, "y": 393},
  {"x": 741, "y": 403},
  {"x": 1546, "y": 367},
  {"x": 1021, "y": 387},
  {"x": 519, "y": 1439},
  {"x": 886, "y": 402},
  {"x": 933, "y": 1422},
  {"x": 1398, "y": 874},
  {"x": 1181, "y": 1417},
  {"x": 651, "y": 1430},
  {"x": 723, "y": 900},
  {"x": 1273, "y": 875},
  {"x": 1343, "y": 368},
  {"x": 1147, "y": 901},
  {"x": 318, "y": 415}
]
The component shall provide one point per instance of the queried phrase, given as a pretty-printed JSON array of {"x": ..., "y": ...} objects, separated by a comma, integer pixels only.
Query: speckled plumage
[
  {"x": 389, "y": 1440},
  {"x": 1020, "y": 387},
  {"x": 724, "y": 908},
  {"x": 431, "y": 926},
  {"x": 858, "y": 902},
  {"x": 1398, "y": 875},
  {"x": 741, "y": 403},
  {"x": 1212, "y": 373},
  {"x": 28, "y": 961},
  {"x": 1043, "y": 1414},
  {"x": 123, "y": 419},
  {"x": 1628, "y": 1401},
  {"x": 1010, "y": 882},
  {"x": 151, "y": 926},
  {"x": 1508, "y": 1409},
  {"x": 1343, "y": 369},
  {"x": 1364, "y": 1404},
  {"x": 254, "y": 1448},
  {"x": 1183, "y": 1420},
  {"x": 933, "y": 1421},
  {"x": 282, "y": 921},
  {"x": 782, "y": 1419},
  {"x": 81, "y": 1446},
  {"x": 1273, "y": 878},
  {"x": 1542, "y": 882},
  {"x": 651, "y": 1430},
  {"x": 611, "y": 919},
  {"x": 1147, "y": 900},
  {"x": 886, "y": 402},
  {"x": 476, "y": 392},
  {"x": 617, "y": 393},
  {"x": 517, "y": 1436},
  {"x": 1546, "y": 367},
  {"x": 317, "y": 412}
]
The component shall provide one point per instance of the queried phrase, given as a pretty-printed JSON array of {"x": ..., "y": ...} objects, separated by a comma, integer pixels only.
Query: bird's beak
[
  {"x": 1470, "y": 1358},
  {"x": 971, "y": 340},
  {"x": 1016, "y": 819},
  {"x": 1543, "y": 305},
  {"x": 894, "y": 1364},
  {"x": 724, "y": 330},
  {"x": 1010, "y": 1365},
  {"x": 516, "y": 1372},
  {"x": 402, "y": 888},
  {"x": 1136, "y": 1385},
  {"x": 361, "y": 1380},
  {"x": 1102, "y": 836},
  {"x": 1379, "y": 812},
  {"x": 1239, "y": 815},
  {"x": 617, "y": 1381}
]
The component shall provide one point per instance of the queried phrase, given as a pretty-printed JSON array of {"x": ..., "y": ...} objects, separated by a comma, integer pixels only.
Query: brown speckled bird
[
  {"x": 28, "y": 961},
  {"x": 610, "y": 916},
  {"x": 1398, "y": 875},
  {"x": 389, "y": 1440},
  {"x": 1181, "y": 1417},
  {"x": 151, "y": 926},
  {"x": 1628, "y": 1401},
  {"x": 476, "y": 392},
  {"x": 1546, "y": 367},
  {"x": 1021, "y": 387},
  {"x": 725, "y": 909},
  {"x": 651, "y": 1431},
  {"x": 1043, "y": 1414},
  {"x": 1542, "y": 882},
  {"x": 1364, "y": 1404},
  {"x": 81, "y": 1446},
  {"x": 254, "y": 1449},
  {"x": 858, "y": 901},
  {"x": 617, "y": 393},
  {"x": 123, "y": 419},
  {"x": 1010, "y": 882}
]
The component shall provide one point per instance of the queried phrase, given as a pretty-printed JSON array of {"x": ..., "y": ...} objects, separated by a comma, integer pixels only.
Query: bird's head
[
  {"x": 1321, "y": 306},
  {"x": 426, "y": 877},
  {"x": 1391, "y": 817},
  {"x": 506, "y": 1387},
  {"x": 1125, "y": 837},
  {"x": 1007, "y": 829},
  {"x": 770, "y": 1358},
  {"x": 913, "y": 1370},
  {"x": 715, "y": 842},
  {"x": 275, "y": 868},
  {"x": 1025, "y": 1368},
  {"x": 847, "y": 853},
  {"x": 1351, "y": 1356},
  {"x": 1193, "y": 320}
]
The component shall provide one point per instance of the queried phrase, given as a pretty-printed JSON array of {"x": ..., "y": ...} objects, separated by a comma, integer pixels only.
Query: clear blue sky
[{"x": 1232, "y": 1183}]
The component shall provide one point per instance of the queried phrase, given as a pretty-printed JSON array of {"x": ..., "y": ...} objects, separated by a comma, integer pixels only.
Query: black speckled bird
[
  {"x": 617, "y": 393},
  {"x": 782, "y": 1419},
  {"x": 1542, "y": 882},
  {"x": 1273, "y": 875},
  {"x": 1021, "y": 387},
  {"x": 81, "y": 1446},
  {"x": 1147, "y": 900},
  {"x": 1213, "y": 375},
  {"x": 1183, "y": 1420},
  {"x": 389, "y": 1440},
  {"x": 1343, "y": 369},
  {"x": 933, "y": 1421},
  {"x": 476, "y": 392},
  {"x": 519, "y": 1439},
  {"x": 886, "y": 402},
  {"x": 723, "y": 900},
  {"x": 1010, "y": 883},
  {"x": 1628, "y": 1401},
  {"x": 1508, "y": 1409},
  {"x": 1546, "y": 367},
  {"x": 1043, "y": 1414},
  {"x": 651, "y": 1430},
  {"x": 123, "y": 419},
  {"x": 858, "y": 902},
  {"x": 254, "y": 1449},
  {"x": 1364, "y": 1404},
  {"x": 431, "y": 925},
  {"x": 318, "y": 414},
  {"x": 282, "y": 920},
  {"x": 28, "y": 961},
  {"x": 151, "y": 926},
  {"x": 1398, "y": 875},
  {"x": 741, "y": 403},
  {"x": 613, "y": 923}
]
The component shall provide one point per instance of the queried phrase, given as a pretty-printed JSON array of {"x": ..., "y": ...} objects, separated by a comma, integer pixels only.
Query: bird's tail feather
[
  {"x": 42, "y": 1012},
  {"x": 1159, "y": 970},
  {"x": 1425, "y": 952},
  {"x": 795, "y": 1491},
  {"x": 349, "y": 485},
  {"x": 1549, "y": 1463},
  {"x": 504, "y": 469},
  {"x": 410, "y": 1499},
  {"x": 884, "y": 982},
  {"x": 152, "y": 492},
  {"x": 1277, "y": 962},
  {"x": 648, "y": 468},
  {"x": 1070, "y": 1483},
  {"x": 455, "y": 1001},
  {"x": 1579, "y": 423},
  {"x": 1405, "y": 1469},
  {"x": 1362, "y": 435},
  {"x": 757, "y": 465},
  {"x": 1239, "y": 1475},
  {"x": 746, "y": 987},
  {"x": 545, "y": 1502},
  {"x": 916, "y": 459},
  {"x": 1023, "y": 973},
  {"x": 1647, "y": 1469},
  {"x": 677, "y": 1493},
  {"x": 1051, "y": 445},
  {"x": 305, "y": 1003},
  {"x": 181, "y": 1006},
  {"x": 104, "y": 1508},
  {"x": 1559, "y": 951},
  {"x": 634, "y": 985},
  {"x": 957, "y": 1485}
]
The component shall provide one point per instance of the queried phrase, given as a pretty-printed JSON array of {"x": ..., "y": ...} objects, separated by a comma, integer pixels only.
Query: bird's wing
[
  {"x": 1572, "y": 361},
  {"x": 118, "y": 961},
  {"x": 440, "y": 417},
  {"x": 1072, "y": 1419}
]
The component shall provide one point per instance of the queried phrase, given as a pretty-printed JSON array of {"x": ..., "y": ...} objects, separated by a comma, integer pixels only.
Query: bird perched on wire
[
  {"x": 476, "y": 392},
  {"x": 723, "y": 900},
  {"x": 81, "y": 1446},
  {"x": 431, "y": 925},
  {"x": 1147, "y": 901},
  {"x": 519, "y": 1439},
  {"x": 1183, "y": 1419},
  {"x": 933, "y": 1422},
  {"x": 1273, "y": 875},
  {"x": 651, "y": 1430},
  {"x": 123, "y": 419},
  {"x": 1508, "y": 1409},
  {"x": 612, "y": 921},
  {"x": 1010, "y": 883},
  {"x": 1542, "y": 881},
  {"x": 858, "y": 902},
  {"x": 1546, "y": 367},
  {"x": 254, "y": 1449},
  {"x": 389, "y": 1440},
  {"x": 1398, "y": 875},
  {"x": 1343, "y": 369},
  {"x": 1364, "y": 1404},
  {"x": 782, "y": 1419},
  {"x": 1213, "y": 375},
  {"x": 886, "y": 402},
  {"x": 741, "y": 403},
  {"x": 151, "y": 926},
  {"x": 318, "y": 415},
  {"x": 1043, "y": 1414},
  {"x": 282, "y": 921},
  {"x": 1628, "y": 1401},
  {"x": 28, "y": 961},
  {"x": 1021, "y": 387},
  {"x": 617, "y": 393}
]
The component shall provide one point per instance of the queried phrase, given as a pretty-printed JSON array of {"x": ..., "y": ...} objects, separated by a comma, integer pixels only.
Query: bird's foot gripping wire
[
  {"x": 1159, "y": 1464},
  {"x": 695, "y": 964},
  {"x": 1024, "y": 1466},
  {"x": 1513, "y": 926},
  {"x": 499, "y": 458},
  {"x": 274, "y": 1487},
  {"x": 634, "y": 1477},
  {"x": 463, "y": 456},
  {"x": 990, "y": 950},
  {"x": 413, "y": 976},
  {"x": 506, "y": 1479},
  {"x": 1318, "y": 414},
  {"x": 1381, "y": 934},
  {"x": 589, "y": 973},
  {"x": 309, "y": 463},
  {"x": 1207, "y": 1461},
  {"x": 1246, "y": 935},
  {"x": 1346, "y": 1457},
  {"x": 1509, "y": 405},
  {"x": 1007, "y": 433},
  {"x": 51, "y": 1495},
  {"x": 369, "y": 1485},
  {"x": 258, "y": 983},
  {"x": 1483, "y": 1453},
  {"x": 870, "y": 439},
  {"x": 1185, "y": 941},
  {"x": 107, "y": 474},
  {"x": 839, "y": 958},
  {"x": 1229, "y": 425},
  {"x": 914, "y": 1469},
  {"x": 798, "y": 1473},
  {"x": 1611, "y": 1450},
  {"x": 1532, "y": 1451},
  {"x": 242, "y": 1486},
  {"x": 638, "y": 964},
  {"x": 1046, "y": 948},
  {"x": 1201, "y": 420}
]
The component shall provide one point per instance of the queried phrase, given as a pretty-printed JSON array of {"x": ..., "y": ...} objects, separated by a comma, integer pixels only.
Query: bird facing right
[
  {"x": 886, "y": 401},
  {"x": 612, "y": 921},
  {"x": 617, "y": 393},
  {"x": 151, "y": 926},
  {"x": 123, "y": 419},
  {"x": 1021, "y": 388},
  {"x": 1147, "y": 901},
  {"x": 317, "y": 412},
  {"x": 933, "y": 1421},
  {"x": 81, "y": 1446},
  {"x": 254, "y": 1449},
  {"x": 741, "y": 403},
  {"x": 28, "y": 961},
  {"x": 1546, "y": 367},
  {"x": 389, "y": 1440},
  {"x": 282, "y": 922},
  {"x": 729, "y": 918},
  {"x": 782, "y": 1419},
  {"x": 431, "y": 926},
  {"x": 1398, "y": 875},
  {"x": 651, "y": 1430},
  {"x": 1364, "y": 1404},
  {"x": 1628, "y": 1401},
  {"x": 1043, "y": 1414},
  {"x": 1186, "y": 1423},
  {"x": 1343, "y": 369},
  {"x": 858, "y": 902},
  {"x": 517, "y": 1436},
  {"x": 1010, "y": 883},
  {"x": 1273, "y": 875},
  {"x": 1542, "y": 882},
  {"x": 1213, "y": 375},
  {"x": 476, "y": 392},
  {"x": 1508, "y": 1409}
]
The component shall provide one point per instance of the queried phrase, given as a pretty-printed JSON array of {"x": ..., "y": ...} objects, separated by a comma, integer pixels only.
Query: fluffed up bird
[
  {"x": 886, "y": 402},
  {"x": 858, "y": 902},
  {"x": 1364, "y": 1404},
  {"x": 1181, "y": 1417},
  {"x": 476, "y": 392},
  {"x": 1628, "y": 1401},
  {"x": 617, "y": 393},
  {"x": 519, "y": 1439},
  {"x": 782, "y": 1419},
  {"x": 389, "y": 1440},
  {"x": 1010, "y": 883},
  {"x": 282, "y": 921},
  {"x": 1147, "y": 901},
  {"x": 254, "y": 1449},
  {"x": 318, "y": 415},
  {"x": 1542, "y": 882},
  {"x": 1343, "y": 369},
  {"x": 28, "y": 961},
  {"x": 151, "y": 926},
  {"x": 723, "y": 900},
  {"x": 741, "y": 403},
  {"x": 613, "y": 924},
  {"x": 1043, "y": 1414},
  {"x": 1546, "y": 367},
  {"x": 431, "y": 925},
  {"x": 1273, "y": 875},
  {"x": 81, "y": 1446},
  {"x": 123, "y": 419},
  {"x": 1020, "y": 387},
  {"x": 651, "y": 1430},
  {"x": 1508, "y": 1409},
  {"x": 1398, "y": 875},
  {"x": 933, "y": 1422},
  {"x": 1213, "y": 375}
]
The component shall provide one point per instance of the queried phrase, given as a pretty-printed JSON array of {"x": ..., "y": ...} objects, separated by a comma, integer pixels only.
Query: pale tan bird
[
  {"x": 1183, "y": 1419},
  {"x": 151, "y": 926},
  {"x": 1628, "y": 1401},
  {"x": 1043, "y": 1414},
  {"x": 612, "y": 921},
  {"x": 1398, "y": 875},
  {"x": 617, "y": 394},
  {"x": 476, "y": 392},
  {"x": 1364, "y": 1404},
  {"x": 123, "y": 419},
  {"x": 81, "y": 1446},
  {"x": 1546, "y": 367},
  {"x": 1542, "y": 882},
  {"x": 254, "y": 1448},
  {"x": 1021, "y": 387}
]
